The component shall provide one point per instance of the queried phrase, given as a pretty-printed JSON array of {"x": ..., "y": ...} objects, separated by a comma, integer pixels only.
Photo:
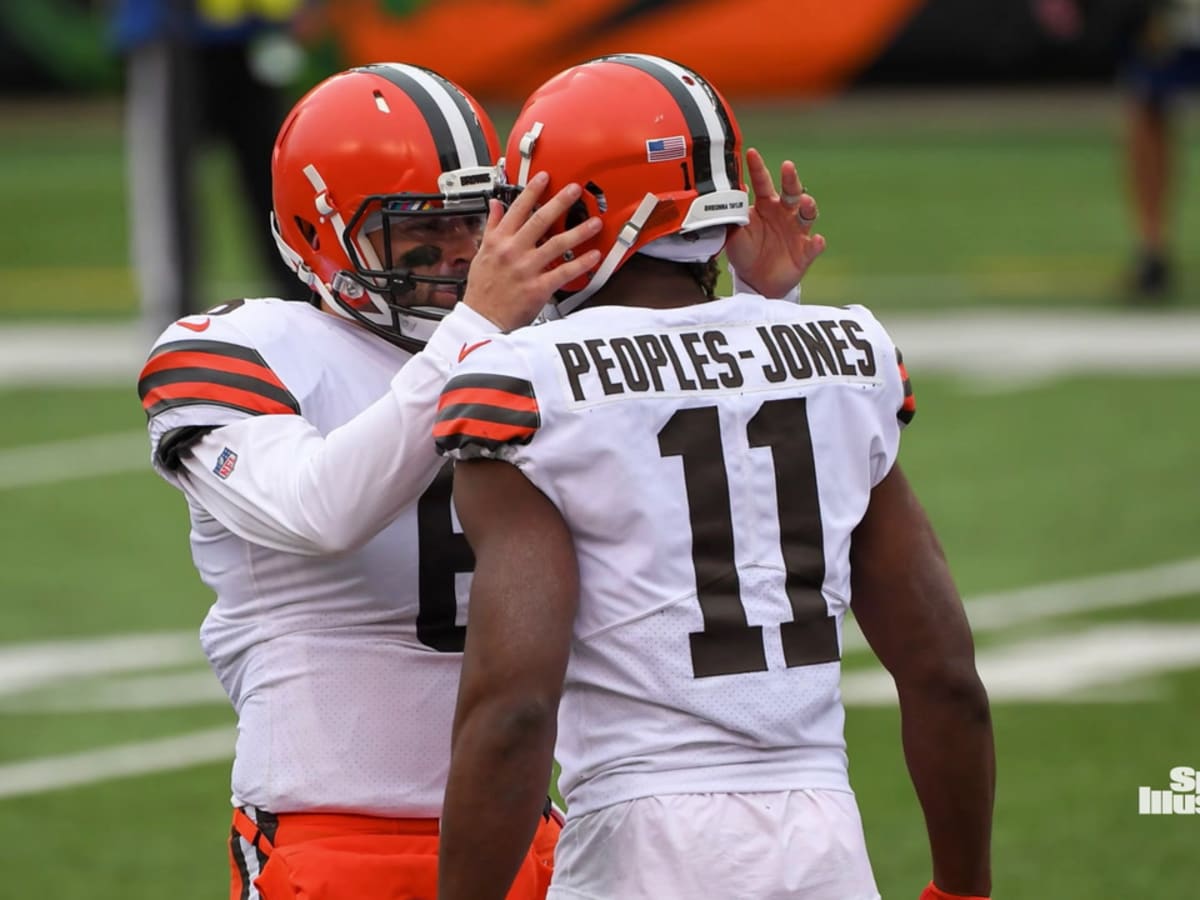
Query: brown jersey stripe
[
  {"x": 217, "y": 354},
  {"x": 217, "y": 372},
  {"x": 212, "y": 379},
  {"x": 489, "y": 382},
  {"x": 486, "y": 410},
  {"x": 482, "y": 412},
  {"x": 452, "y": 396},
  {"x": 220, "y": 348},
  {"x": 188, "y": 393},
  {"x": 191, "y": 359}
]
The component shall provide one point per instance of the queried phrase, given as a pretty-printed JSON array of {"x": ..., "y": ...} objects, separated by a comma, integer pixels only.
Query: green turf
[
  {"x": 1061, "y": 480},
  {"x": 54, "y": 414},
  {"x": 32, "y": 734},
  {"x": 1071, "y": 478},
  {"x": 929, "y": 213},
  {"x": 1066, "y": 823},
  {"x": 1066, "y": 479},
  {"x": 155, "y": 836},
  {"x": 124, "y": 538}
]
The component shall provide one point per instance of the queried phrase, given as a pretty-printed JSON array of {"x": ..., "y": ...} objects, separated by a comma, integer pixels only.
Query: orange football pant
[{"x": 333, "y": 856}]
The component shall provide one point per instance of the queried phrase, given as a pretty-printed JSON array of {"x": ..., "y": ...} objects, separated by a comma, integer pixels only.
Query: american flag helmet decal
[{"x": 666, "y": 149}]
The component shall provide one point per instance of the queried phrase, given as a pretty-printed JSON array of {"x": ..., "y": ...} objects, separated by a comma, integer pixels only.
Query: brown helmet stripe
[
  {"x": 452, "y": 121},
  {"x": 701, "y": 132}
]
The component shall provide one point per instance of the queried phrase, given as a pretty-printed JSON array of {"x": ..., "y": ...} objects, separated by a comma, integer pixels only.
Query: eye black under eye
[{"x": 425, "y": 255}]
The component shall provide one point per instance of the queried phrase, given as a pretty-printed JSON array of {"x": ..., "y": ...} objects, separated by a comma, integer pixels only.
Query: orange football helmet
[
  {"x": 366, "y": 149},
  {"x": 655, "y": 146}
]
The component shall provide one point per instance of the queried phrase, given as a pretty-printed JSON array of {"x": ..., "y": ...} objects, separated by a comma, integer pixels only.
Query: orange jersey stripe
[
  {"x": 215, "y": 393},
  {"x": 488, "y": 397},
  {"x": 478, "y": 428},
  {"x": 181, "y": 359}
]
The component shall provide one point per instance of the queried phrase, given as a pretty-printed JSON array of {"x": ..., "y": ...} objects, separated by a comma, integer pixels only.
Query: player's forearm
[
  {"x": 500, "y": 767},
  {"x": 292, "y": 489},
  {"x": 296, "y": 490},
  {"x": 380, "y": 462},
  {"x": 947, "y": 734}
]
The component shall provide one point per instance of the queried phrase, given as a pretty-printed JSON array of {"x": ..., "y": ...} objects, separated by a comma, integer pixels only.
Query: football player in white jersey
[
  {"x": 673, "y": 501},
  {"x": 299, "y": 434},
  {"x": 317, "y": 516}
]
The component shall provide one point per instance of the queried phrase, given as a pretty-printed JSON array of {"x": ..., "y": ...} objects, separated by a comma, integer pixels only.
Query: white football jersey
[
  {"x": 712, "y": 463},
  {"x": 343, "y": 667}
]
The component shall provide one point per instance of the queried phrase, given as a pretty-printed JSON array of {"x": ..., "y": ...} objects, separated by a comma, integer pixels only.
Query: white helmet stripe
[
  {"x": 451, "y": 119},
  {"x": 702, "y": 111}
]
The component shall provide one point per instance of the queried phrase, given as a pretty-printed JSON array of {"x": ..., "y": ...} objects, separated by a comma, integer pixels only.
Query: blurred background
[{"x": 1011, "y": 185}]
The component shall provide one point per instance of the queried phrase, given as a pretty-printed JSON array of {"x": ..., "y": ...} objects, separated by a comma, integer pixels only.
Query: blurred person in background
[
  {"x": 673, "y": 500},
  {"x": 300, "y": 435},
  {"x": 195, "y": 71},
  {"x": 1161, "y": 60},
  {"x": 1166, "y": 60}
]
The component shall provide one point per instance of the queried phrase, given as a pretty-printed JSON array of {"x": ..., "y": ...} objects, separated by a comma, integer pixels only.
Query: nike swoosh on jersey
[
  {"x": 486, "y": 411},
  {"x": 195, "y": 326},
  {"x": 183, "y": 373},
  {"x": 467, "y": 351}
]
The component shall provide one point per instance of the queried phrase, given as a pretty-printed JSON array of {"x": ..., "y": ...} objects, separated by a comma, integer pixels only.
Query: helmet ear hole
[
  {"x": 598, "y": 192},
  {"x": 576, "y": 215},
  {"x": 580, "y": 212},
  {"x": 308, "y": 231}
]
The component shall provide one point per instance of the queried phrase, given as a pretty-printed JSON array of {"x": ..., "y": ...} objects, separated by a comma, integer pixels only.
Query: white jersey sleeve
[
  {"x": 895, "y": 405},
  {"x": 240, "y": 424}
]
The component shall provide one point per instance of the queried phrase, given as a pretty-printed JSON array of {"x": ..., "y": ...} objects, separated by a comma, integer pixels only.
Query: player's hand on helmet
[
  {"x": 774, "y": 250},
  {"x": 510, "y": 278}
]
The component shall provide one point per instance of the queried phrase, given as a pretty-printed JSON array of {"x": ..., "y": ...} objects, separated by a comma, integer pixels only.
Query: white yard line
[
  {"x": 1133, "y": 587},
  {"x": 997, "y": 343},
  {"x": 170, "y": 690},
  {"x": 26, "y": 667},
  {"x": 73, "y": 355},
  {"x": 121, "y": 761},
  {"x": 56, "y": 461},
  {"x": 1031, "y": 345},
  {"x": 1001, "y": 348},
  {"x": 1062, "y": 667}
]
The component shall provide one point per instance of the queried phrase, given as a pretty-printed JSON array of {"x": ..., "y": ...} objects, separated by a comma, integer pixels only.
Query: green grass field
[
  {"x": 926, "y": 203},
  {"x": 1059, "y": 480}
]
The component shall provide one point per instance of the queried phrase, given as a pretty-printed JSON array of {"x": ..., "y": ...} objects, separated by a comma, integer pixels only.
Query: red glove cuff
[{"x": 933, "y": 892}]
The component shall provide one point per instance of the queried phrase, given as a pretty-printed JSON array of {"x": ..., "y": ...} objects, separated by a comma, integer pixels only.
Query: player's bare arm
[
  {"x": 510, "y": 279},
  {"x": 775, "y": 249},
  {"x": 907, "y": 605},
  {"x": 522, "y": 607}
]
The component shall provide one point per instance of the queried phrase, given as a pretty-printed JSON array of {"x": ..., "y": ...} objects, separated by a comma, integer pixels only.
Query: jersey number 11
[{"x": 728, "y": 645}]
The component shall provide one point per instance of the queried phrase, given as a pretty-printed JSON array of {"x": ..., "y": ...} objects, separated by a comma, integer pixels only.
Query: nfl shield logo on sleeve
[{"x": 225, "y": 463}]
